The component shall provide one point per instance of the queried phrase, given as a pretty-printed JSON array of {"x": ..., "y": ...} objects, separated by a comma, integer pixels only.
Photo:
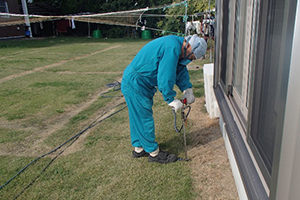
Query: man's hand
[
  {"x": 189, "y": 96},
  {"x": 176, "y": 105}
]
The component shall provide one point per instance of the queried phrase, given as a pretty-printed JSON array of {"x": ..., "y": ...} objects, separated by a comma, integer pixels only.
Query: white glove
[
  {"x": 189, "y": 96},
  {"x": 176, "y": 105}
]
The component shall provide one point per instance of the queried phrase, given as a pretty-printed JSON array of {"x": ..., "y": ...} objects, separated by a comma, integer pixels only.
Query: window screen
[
  {"x": 237, "y": 69},
  {"x": 268, "y": 95},
  {"x": 225, "y": 40}
]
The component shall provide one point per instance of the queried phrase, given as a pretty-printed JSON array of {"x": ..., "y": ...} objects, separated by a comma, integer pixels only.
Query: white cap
[{"x": 198, "y": 44}]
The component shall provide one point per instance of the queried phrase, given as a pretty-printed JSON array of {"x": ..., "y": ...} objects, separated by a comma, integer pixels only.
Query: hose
[
  {"x": 72, "y": 140},
  {"x": 116, "y": 86},
  {"x": 175, "y": 119}
]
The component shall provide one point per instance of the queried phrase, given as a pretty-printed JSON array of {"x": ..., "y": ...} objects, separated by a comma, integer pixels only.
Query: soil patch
[{"x": 210, "y": 166}]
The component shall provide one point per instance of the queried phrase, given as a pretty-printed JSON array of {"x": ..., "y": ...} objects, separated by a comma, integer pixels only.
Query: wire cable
[
  {"x": 72, "y": 140},
  {"x": 51, "y": 161}
]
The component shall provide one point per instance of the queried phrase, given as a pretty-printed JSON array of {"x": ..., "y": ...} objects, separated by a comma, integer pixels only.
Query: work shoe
[
  {"x": 139, "y": 155},
  {"x": 163, "y": 157}
]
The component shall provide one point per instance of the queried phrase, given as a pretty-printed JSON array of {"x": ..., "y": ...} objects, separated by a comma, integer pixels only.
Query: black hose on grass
[
  {"x": 51, "y": 161},
  {"x": 72, "y": 140},
  {"x": 116, "y": 86}
]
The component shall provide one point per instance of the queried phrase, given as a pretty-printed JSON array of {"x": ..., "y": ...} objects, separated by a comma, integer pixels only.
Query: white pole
[
  {"x": 209, "y": 28},
  {"x": 89, "y": 29},
  {"x": 185, "y": 16},
  {"x": 26, "y": 17}
]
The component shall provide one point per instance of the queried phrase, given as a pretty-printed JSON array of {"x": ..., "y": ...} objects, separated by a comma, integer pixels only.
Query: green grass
[
  {"x": 196, "y": 77},
  {"x": 47, "y": 93},
  {"x": 99, "y": 164},
  {"x": 11, "y": 135}
]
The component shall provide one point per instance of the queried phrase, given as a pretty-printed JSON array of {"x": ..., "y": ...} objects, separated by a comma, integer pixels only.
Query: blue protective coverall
[{"x": 156, "y": 64}]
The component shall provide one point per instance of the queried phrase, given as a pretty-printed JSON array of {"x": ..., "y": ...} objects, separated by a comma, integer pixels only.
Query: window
[
  {"x": 252, "y": 66},
  {"x": 269, "y": 92},
  {"x": 255, "y": 44},
  {"x": 237, "y": 69},
  {"x": 224, "y": 35},
  {"x": 240, "y": 61},
  {"x": 4, "y": 8}
]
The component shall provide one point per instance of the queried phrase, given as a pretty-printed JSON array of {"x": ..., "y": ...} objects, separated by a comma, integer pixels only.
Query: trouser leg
[{"x": 142, "y": 129}]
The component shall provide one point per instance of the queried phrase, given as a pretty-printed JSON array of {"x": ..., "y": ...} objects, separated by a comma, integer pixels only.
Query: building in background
[
  {"x": 14, "y": 27},
  {"x": 10, "y": 31}
]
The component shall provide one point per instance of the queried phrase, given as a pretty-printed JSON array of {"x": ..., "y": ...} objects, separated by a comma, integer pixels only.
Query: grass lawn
[{"x": 49, "y": 93}]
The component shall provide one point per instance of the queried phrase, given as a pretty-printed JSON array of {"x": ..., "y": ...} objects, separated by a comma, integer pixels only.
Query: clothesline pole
[
  {"x": 26, "y": 17},
  {"x": 185, "y": 16},
  {"x": 210, "y": 53},
  {"x": 89, "y": 29}
]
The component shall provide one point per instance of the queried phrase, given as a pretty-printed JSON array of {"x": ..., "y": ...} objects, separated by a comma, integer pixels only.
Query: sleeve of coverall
[
  {"x": 166, "y": 76},
  {"x": 183, "y": 78}
]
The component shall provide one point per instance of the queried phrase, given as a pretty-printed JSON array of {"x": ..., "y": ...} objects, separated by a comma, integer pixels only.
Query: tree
[
  {"x": 176, "y": 23},
  {"x": 169, "y": 25}
]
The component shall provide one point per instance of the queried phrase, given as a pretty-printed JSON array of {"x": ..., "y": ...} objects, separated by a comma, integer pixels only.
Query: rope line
[
  {"x": 94, "y": 15},
  {"x": 101, "y": 18}
]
